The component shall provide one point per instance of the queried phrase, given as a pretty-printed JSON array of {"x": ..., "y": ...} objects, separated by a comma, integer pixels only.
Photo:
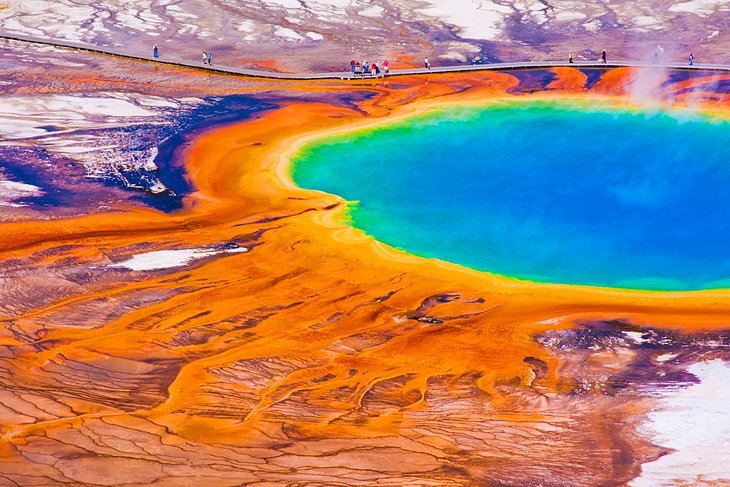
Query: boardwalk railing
[{"x": 347, "y": 75}]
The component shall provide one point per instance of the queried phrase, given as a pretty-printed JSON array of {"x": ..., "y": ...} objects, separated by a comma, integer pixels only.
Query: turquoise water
[{"x": 560, "y": 192}]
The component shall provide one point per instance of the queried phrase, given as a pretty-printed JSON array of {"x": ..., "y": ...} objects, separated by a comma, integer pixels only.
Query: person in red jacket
[{"x": 386, "y": 68}]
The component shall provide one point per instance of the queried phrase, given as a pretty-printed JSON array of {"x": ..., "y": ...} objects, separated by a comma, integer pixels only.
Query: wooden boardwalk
[{"x": 346, "y": 75}]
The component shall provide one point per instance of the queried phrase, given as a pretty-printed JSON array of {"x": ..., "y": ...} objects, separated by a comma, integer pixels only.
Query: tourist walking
[
  {"x": 375, "y": 69},
  {"x": 358, "y": 69},
  {"x": 603, "y": 57},
  {"x": 210, "y": 58},
  {"x": 352, "y": 66},
  {"x": 155, "y": 52},
  {"x": 570, "y": 57},
  {"x": 691, "y": 59},
  {"x": 658, "y": 51},
  {"x": 426, "y": 64},
  {"x": 386, "y": 68},
  {"x": 365, "y": 67},
  {"x": 205, "y": 57}
]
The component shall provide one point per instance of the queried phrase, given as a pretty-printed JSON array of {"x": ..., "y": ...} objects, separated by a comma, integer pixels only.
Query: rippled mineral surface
[{"x": 176, "y": 312}]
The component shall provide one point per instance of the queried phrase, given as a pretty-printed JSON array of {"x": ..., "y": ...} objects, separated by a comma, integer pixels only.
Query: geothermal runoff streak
[{"x": 347, "y": 75}]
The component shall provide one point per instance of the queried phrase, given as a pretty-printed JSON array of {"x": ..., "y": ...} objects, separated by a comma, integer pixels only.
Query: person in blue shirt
[{"x": 155, "y": 52}]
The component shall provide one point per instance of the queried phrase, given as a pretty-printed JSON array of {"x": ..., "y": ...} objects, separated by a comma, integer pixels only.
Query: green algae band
[{"x": 559, "y": 192}]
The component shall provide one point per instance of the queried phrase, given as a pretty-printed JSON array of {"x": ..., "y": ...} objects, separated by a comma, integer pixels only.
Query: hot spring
[{"x": 551, "y": 191}]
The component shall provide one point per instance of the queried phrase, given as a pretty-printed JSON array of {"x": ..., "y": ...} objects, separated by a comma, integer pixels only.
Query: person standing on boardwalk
[
  {"x": 570, "y": 57},
  {"x": 426, "y": 64},
  {"x": 155, "y": 52},
  {"x": 352, "y": 66},
  {"x": 365, "y": 67},
  {"x": 205, "y": 57},
  {"x": 603, "y": 57},
  {"x": 386, "y": 67},
  {"x": 210, "y": 58},
  {"x": 358, "y": 69},
  {"x": 691, "y": 59},
  {"x": 376, "y": 69},
  {"x": 658, "y": 50}
]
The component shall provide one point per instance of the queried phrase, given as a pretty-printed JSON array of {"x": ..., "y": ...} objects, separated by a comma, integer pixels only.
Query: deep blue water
[{"x": 559, "y": 192}]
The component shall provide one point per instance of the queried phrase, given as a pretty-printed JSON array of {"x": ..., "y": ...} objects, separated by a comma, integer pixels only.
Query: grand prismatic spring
[
  {"x": 509, "y": 278},
  {"x": 499, "y": 189}
]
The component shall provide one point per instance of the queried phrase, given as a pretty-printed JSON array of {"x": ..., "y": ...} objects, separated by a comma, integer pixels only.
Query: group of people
[
  {"x": 603, "y": 57},
  {"x": 372, "y": 69},
  {"x": 655, "y": 59},
  {"x": 207, "y": 56},
  {"x": 367, "y": 68}
]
